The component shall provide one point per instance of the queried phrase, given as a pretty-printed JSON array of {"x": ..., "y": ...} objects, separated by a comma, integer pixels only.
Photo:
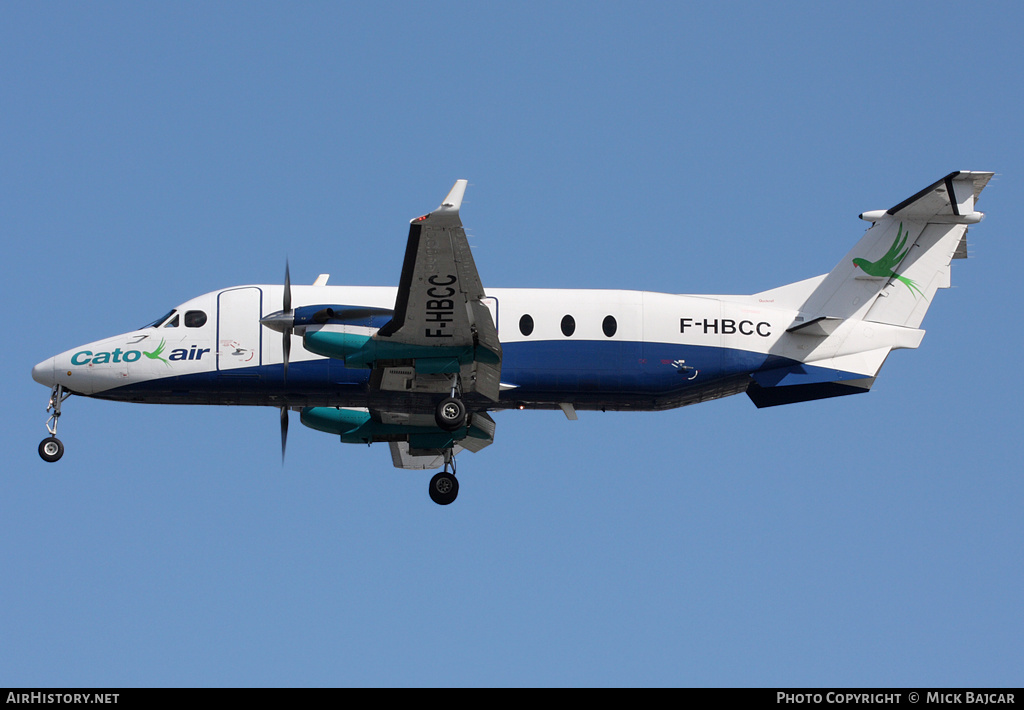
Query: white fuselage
[{"x": 591, "y": 348}]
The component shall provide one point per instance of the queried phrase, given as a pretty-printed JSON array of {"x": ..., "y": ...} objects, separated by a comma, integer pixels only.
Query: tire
[
  {"x": 444, "y": 488},
  {"x": 51, "y": 449},
  {"x": 450, "y": 414}
]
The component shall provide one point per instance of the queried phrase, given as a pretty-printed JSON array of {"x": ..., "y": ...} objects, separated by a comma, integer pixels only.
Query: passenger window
[
  {"x": 172, "y": 323},
  {"x": 195, "y": 319},
  {"x": 609, "y": 326},
  {"x": 526, "y": 324},
  {"x": 568, "y": 326}
]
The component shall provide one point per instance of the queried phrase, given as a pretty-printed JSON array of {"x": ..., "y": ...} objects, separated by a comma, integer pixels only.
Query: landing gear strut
[
  {"x": 51, "y": 448},
  {"x": 444, "y": 487}
]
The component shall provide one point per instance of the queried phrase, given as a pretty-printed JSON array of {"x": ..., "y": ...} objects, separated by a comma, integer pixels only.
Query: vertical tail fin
[
  {"x": 874, "y": 300},
  {"x": 891, "y": 275}
]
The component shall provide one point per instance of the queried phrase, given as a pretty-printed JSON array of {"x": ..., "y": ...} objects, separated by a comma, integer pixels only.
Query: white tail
[
  {"x": 891, "y": 275},
  {"x": 875, "y": 299}
]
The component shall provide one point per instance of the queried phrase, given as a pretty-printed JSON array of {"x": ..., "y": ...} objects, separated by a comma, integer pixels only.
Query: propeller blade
[
  {"x": 286, "y": 343},
  {"x": 287, "y": 287},
  {"x": 284, "y": 432},
  {"x": 286, "y": 346}
]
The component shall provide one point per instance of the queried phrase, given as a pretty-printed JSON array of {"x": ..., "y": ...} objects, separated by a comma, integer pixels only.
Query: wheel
[
  {"x": 50, "y": 449},
  {"x": 450, "y": 414},
  {"x": 444, "y": 488}
]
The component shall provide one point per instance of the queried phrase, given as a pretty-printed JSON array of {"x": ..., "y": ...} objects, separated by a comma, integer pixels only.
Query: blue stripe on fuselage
[{"x": 541, "y": 369}]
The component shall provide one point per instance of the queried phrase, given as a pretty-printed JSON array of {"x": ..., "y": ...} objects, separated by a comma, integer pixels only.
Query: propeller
[
  {"x": 286, "y": 343},
  {"x": 283, "y": 321},
  {"x": 286, "y": 348}
]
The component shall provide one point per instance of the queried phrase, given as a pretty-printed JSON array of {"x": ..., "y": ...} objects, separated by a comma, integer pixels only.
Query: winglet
[
  {"x": 449, "y": 208},
  {"x": 454, "y": 200}
]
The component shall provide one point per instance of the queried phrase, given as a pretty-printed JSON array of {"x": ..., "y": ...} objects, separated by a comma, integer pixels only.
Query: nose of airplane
[{"x": 43, "y": 372}]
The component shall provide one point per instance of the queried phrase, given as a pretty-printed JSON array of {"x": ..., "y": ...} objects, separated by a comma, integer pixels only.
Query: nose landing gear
[{"x": 51, "y": 448}]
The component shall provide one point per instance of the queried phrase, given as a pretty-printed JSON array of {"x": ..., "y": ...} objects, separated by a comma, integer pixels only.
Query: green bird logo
[
  {"x": 885, "y": 267},
  {"x": 156, "y": 354}
]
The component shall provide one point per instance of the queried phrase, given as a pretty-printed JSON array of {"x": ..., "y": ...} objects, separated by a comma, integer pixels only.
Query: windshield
[{"x": 159, "y": 320}]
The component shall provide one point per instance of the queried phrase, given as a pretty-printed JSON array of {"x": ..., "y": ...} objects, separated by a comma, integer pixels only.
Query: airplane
[{"x": 421, "y": 366}]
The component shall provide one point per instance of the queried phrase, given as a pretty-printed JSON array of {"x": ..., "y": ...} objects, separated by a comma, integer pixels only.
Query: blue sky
[{"x": 150, "y": 153}]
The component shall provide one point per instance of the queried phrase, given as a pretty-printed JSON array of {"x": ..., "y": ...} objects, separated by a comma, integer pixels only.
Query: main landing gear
[
  {"x": 51, "y": 448},
  {"x": 450, "y": 415},
  {"x": 444, "y": 487}
]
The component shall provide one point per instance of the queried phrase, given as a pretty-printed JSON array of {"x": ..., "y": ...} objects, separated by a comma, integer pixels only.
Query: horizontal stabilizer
[{"x": 952, "y": 196}]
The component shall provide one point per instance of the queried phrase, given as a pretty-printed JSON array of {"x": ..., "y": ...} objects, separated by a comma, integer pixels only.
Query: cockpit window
[
  {"x": 159, "y": 320},
  {"x": 172, "y": 323},
  {"x": 195, "y": 319}
]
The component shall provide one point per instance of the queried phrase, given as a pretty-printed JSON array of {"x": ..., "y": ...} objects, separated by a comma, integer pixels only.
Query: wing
[
  {"x": 440, "y": 343},
  {"x": 440, "y": 313}
]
